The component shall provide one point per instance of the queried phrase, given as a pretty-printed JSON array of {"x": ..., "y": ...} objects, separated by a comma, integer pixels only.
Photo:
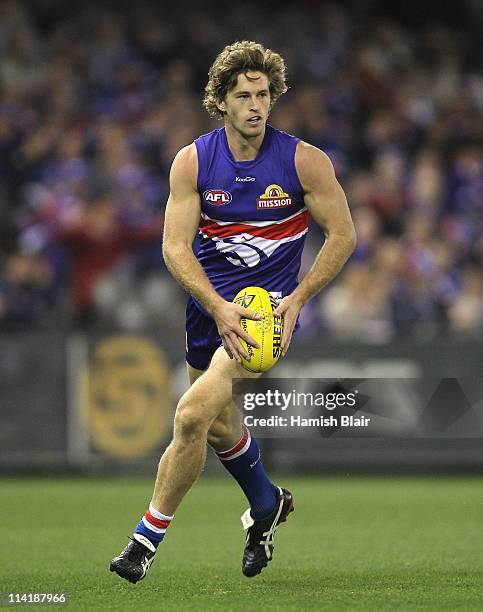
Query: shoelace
[
  {"x": 270, "y": 534},
  {"x": 269, "y": 541}
]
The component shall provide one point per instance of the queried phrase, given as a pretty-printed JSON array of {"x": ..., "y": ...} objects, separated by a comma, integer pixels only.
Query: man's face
[{"x": 247, "y": 104}]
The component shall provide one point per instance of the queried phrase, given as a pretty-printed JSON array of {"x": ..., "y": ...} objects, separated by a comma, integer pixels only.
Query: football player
[{"x": 248, "y": 189}]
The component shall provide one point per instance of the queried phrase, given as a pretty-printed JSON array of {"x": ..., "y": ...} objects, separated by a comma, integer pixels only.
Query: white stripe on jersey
[{"x": 255, "y": 223}]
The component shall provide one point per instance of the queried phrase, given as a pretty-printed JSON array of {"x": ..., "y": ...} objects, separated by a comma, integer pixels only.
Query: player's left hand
[{"x": 289, "y": 309}]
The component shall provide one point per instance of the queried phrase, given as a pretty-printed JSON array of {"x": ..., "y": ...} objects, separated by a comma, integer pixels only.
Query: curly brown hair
[{"x": 239, "y": 58}]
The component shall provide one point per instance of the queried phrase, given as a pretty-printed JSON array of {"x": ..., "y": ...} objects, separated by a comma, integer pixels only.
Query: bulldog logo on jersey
[{"x": 274, "y": 197}]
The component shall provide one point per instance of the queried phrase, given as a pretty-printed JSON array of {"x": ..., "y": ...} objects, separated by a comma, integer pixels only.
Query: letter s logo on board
[{"x": 217, "y": 197}]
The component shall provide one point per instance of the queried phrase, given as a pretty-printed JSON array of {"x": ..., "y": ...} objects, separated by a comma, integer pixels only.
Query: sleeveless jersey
[{"x": 253, "y": 218}]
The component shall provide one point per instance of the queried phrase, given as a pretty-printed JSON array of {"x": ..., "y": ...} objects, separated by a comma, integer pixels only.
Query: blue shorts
[{"x": 202, "y": 338}]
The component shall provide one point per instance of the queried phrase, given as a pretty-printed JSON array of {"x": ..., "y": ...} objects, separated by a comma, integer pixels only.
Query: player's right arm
[{"x": 180, "y": 226}]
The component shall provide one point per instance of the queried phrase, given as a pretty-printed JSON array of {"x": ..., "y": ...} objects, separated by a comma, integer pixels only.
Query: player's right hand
[{"x": 227, "y": 318}]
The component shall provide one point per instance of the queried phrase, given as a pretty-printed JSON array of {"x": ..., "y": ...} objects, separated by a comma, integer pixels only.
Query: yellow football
[{"x": 267, "y": 331}]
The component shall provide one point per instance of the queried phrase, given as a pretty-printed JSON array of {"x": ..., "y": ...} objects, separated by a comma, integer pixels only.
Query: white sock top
[{"x": 159, "y": 515}]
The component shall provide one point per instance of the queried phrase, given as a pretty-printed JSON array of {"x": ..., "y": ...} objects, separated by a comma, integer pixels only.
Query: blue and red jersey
[{"x": 253, "y": 218}]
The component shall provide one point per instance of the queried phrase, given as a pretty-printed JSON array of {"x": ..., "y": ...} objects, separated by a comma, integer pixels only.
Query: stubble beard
[{"x": 250, "y": 134}]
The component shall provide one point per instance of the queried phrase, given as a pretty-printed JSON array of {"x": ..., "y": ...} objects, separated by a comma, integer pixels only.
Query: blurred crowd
[{"x": 95, "y": 102}]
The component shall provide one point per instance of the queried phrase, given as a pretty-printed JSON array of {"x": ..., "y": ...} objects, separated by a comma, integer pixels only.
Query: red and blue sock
[
  {"x": 244, "y": 464},
  {"x": 153, "y": 526}
]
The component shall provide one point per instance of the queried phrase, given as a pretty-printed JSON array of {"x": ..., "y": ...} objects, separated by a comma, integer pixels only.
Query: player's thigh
[
  {"x": 211, "y": 393},
  {"x": 193, "y": 373}
]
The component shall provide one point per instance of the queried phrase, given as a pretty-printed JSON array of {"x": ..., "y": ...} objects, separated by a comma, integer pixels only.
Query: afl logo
[{"x": 217, "y": 197}]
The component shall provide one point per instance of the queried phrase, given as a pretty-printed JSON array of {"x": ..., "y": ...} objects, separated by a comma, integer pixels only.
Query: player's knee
[{"x": 188, "y": 422}]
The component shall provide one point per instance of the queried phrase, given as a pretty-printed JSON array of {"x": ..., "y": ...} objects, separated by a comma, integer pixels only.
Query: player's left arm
[{"x": 326, "y": 202}]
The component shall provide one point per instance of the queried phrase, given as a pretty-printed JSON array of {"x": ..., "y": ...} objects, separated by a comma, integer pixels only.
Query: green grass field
[{"x": 353, "y": 543}]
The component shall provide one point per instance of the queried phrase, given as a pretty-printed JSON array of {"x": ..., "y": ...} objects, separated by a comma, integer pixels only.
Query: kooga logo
[{"x": 247, "y": 179}]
